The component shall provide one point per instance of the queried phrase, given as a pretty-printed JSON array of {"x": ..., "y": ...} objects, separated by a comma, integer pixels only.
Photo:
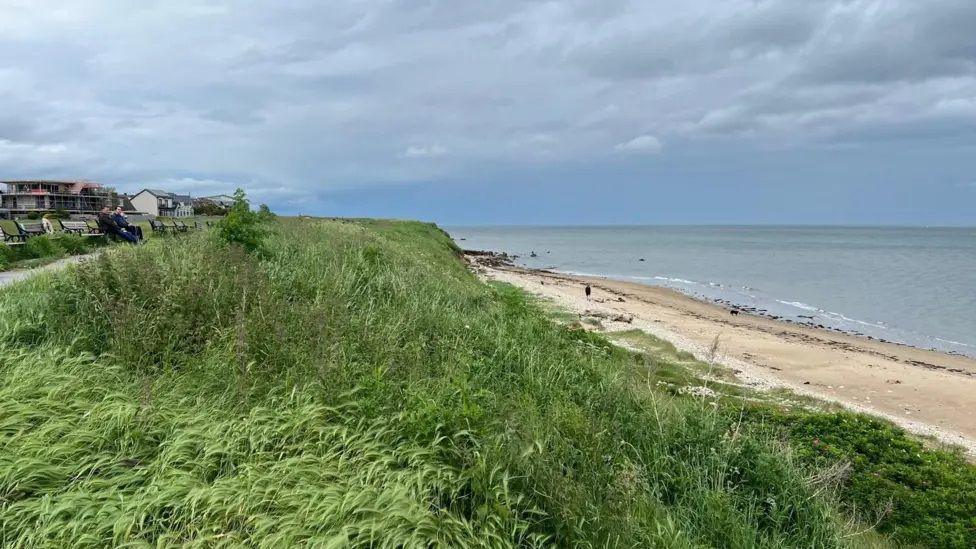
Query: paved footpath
[{"x": 9, "y": 277}]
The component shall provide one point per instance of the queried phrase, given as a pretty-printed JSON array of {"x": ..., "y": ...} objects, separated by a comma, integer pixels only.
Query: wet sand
[{"x": 927, "y": 392}]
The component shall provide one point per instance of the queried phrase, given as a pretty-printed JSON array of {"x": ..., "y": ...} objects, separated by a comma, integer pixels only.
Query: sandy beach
[{"x": 926, "y": 392}]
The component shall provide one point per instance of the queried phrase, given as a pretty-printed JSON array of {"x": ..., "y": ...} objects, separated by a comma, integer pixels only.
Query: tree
[
  {"x": 206, "y": 207},
  {"x": 241, "y": 225},
  {"x": 265, "y": 212}
]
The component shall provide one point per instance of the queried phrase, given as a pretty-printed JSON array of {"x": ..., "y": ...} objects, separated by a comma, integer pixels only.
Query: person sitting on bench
[
  {"x": 108, "y": 226},
  {"x": 123, "y": 222}
]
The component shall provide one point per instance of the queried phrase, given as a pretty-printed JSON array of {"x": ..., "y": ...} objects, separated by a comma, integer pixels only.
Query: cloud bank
[{"x": 295, "y": 99}]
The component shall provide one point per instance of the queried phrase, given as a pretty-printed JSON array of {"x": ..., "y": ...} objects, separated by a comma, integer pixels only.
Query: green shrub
[
  {"x": 74, "y": 244},
  {"x": 931, "y": 493},
  {"x": 42, "y": 246},
  {"x": 265, "y": 213},
  {"x": 209, "y": 209},
  {"x": 7, "y": 256},
  {"x": 241, "y": 226}
]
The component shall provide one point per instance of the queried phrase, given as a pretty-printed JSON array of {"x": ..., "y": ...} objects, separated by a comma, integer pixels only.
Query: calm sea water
[{"x": 910, "y": 285}]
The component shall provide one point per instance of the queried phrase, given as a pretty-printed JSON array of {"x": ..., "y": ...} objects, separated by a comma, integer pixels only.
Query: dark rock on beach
[{"x": 488, "y": 258}]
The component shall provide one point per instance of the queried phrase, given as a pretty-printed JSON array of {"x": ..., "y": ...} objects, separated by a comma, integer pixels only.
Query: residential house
[
  {"x": 44, "y": 195},
  {"x": 158, "y": 202}
]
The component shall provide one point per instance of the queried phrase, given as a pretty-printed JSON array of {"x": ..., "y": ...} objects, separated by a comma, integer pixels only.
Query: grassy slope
[
  {"x": 918, "y": 495},
  {"x": 357, "y": 386}
]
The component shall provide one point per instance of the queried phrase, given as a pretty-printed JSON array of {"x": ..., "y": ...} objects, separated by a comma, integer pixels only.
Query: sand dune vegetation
[{"x": 350, "y": 383}]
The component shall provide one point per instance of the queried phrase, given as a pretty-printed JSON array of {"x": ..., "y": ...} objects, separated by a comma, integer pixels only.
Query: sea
[{"x": 910, "y": 285}]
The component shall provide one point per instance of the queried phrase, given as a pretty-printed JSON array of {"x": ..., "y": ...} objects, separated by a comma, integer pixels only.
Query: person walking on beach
[{"x": 587, "y": 291}]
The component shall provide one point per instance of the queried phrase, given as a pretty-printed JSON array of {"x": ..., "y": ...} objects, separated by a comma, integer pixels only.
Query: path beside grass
[{"x": 9, "y": 277}]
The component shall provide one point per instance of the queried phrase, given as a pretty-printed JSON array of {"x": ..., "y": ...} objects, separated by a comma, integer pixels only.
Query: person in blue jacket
[
  {"x": 106, "y": 222},
  {"x": 123, "y": 222}
]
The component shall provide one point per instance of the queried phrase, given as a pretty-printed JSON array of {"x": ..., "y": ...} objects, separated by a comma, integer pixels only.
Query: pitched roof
[
  {"x": 219, "y": 199},
  {"x": 159, "y": 193}
]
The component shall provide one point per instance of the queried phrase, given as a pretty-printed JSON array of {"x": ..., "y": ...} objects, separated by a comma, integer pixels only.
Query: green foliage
[
  {"x": 932, "y": 493},
  {"x": 265, "y": 213},
  {"x": 42, "y": 246},
  {"x": 355, "y": 385},
  {"x": 74, "y": 244},
  {"x": 47, "y": 247},
  {"x": 7, "y": 256},
  {"x": 209, "y": 208},
  {"x": 241, "y": 226}
]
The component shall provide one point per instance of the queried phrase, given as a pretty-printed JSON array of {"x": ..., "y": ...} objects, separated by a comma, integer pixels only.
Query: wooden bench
[
  {"x": 157, "y": 226},
  {"x": 180, "y": 226},
  {"x": 30, "y": 229},
  {"x": 79, "y": 227},
  {"x": 11, "y": 239}
]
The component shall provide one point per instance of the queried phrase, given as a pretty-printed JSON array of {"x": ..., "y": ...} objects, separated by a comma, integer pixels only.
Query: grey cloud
[
  {"x": 700, "y": 42},
  {"x": 772, "y": 25},
  {"x": 897, "y": 41},
  {"x": 295, "y": 98}
]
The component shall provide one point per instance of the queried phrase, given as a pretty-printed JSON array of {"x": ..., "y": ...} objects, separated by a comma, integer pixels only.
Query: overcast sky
[{"x": 507, "y": 111}]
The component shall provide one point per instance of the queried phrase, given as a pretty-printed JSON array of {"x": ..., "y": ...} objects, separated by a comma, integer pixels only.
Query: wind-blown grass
[
  {"x": 45, "y": 249},
  {"x": 353, "y": 384}
]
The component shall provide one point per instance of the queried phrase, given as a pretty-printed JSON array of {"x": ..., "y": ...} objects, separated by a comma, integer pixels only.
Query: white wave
[
  {"x": 954, "y": 342},
  {"x": 800, "y": 305},
  {"x": 591, "y": 275},
  {"x": 678, "y": 280},
  {"x": 861, "y": 322}
]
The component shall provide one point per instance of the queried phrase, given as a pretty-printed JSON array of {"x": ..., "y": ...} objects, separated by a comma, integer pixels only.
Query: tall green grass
[
  {"x": 46, "y": 248},
  {"x": 353, "y": 385}
]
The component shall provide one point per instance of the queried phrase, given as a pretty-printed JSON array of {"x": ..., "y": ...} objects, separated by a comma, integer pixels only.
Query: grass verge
[{"x": 44, "y": 249}]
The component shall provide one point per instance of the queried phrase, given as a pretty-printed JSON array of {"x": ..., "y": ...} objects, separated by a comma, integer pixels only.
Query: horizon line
[{"x": 622, "y": 225}]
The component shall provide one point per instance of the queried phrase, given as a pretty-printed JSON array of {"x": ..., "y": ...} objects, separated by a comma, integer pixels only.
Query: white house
[{"x": 162, "y": 203}]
